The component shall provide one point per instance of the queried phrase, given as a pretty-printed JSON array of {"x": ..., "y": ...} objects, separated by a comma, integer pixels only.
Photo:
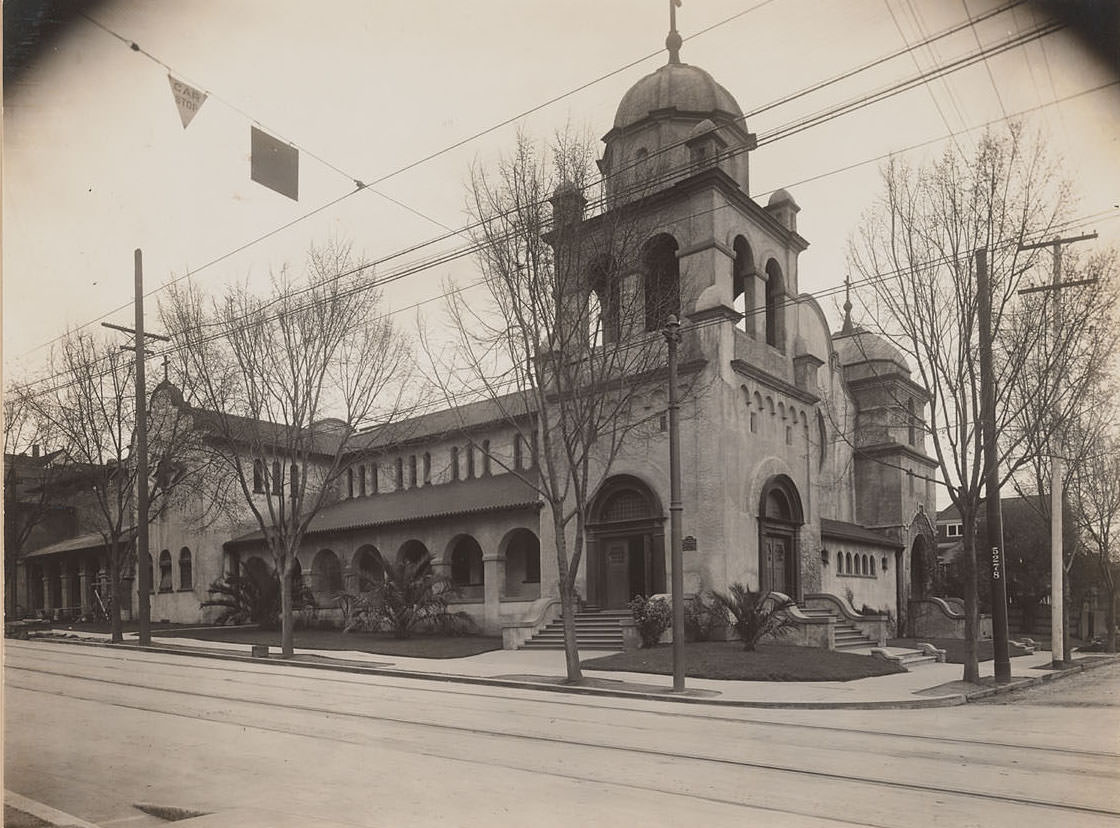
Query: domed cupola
[
  {"x": 679, "y": 90},
  {"x": 651, "y": 143}
]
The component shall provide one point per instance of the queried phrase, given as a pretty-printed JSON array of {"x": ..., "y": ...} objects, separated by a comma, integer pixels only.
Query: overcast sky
[{"x": 97, "y": 162}]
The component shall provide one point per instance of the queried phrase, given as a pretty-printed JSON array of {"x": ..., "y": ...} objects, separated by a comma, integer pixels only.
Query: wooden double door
[{"x": 776, "y": 560}]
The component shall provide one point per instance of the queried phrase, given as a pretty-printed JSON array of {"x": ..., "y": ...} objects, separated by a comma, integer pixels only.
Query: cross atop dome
[{"x": 673, "y": 41}]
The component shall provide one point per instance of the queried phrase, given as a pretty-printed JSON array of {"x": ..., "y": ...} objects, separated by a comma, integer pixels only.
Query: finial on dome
[
  {"x": 673, "y": 41},
  {"x": 847, "y": 327}
]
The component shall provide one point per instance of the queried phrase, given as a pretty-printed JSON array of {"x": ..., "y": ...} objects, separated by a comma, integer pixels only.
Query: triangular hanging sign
[{"x": 187, "y": 98}]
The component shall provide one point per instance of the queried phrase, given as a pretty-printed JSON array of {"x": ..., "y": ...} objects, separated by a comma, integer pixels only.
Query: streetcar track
[
  {"x": 574, "y": 703},
  {"x": 846, "y": 778}
]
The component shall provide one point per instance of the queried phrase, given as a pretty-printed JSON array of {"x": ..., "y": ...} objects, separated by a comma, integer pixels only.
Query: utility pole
[
  {"x": 143, "y": 556},
  {"x": 991, "y": 472},
  {"x": 672, "y": 332},
  {"x": 1059, "y": 630}
]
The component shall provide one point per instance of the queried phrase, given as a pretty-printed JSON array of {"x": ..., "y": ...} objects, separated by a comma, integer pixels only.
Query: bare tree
[
  {"x": 916, "y": 254},
  {"x": 29, "y": 493},
  {"x": 568, "y": 355},
  {"x": 1096, "y": 494},
  {"x": 89, "y": 410},
  {"x": 1079, "y": 342},
  {"x": 280, "y": 382}
]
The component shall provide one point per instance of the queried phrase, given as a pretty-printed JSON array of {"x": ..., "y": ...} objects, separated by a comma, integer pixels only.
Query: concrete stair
[
  {"x": 596, "y": 629},
  {"x": 848, "y": 636}
]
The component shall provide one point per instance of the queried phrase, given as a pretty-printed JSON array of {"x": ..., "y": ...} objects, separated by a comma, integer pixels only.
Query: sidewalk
[{"x": 926, "y": 685}]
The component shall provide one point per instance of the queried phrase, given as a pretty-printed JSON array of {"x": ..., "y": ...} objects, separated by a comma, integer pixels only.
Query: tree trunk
[
  {"x": 115, "y": 591},
  {"x": 568, "y": 603},
  {"x": 971, "y": 606},
  {"x": 1110, "y": 620},
  {"x": 287, "y": 639}
]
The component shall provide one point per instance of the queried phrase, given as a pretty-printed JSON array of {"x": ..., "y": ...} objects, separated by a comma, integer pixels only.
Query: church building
[{"x": 803, "y": 462}]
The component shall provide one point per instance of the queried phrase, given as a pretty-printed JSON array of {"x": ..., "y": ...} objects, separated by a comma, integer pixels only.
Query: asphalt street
[{"x": 93, "y": 731}]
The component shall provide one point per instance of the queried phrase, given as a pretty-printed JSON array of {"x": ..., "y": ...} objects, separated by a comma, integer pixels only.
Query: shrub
[
  {"x": 409, "y": 596},
  {"x": 756, "y": 614},
  {"x": 702, "y": 617},
  {"x": 253, "y": 599},
  {"x": 653, "y": 616}
]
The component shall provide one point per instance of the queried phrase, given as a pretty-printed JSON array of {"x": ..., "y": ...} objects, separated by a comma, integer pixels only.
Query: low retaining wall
[
  {"x": 875, "y": 627},
  {"x": 940, "y": 618},
  {"x": 516, "y": 633},
  {"x": 811, "y": 630}
]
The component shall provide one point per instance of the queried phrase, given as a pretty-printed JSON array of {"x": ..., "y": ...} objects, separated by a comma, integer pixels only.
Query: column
[
  {"x": 494, "y": 576},
  {"x": 65, "y": 574},
  {"x": 48, "y": 604},
  {"x": 84, "y": 587}
]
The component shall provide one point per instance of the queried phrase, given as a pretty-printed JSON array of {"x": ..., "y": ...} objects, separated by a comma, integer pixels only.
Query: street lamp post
[{"x": 672, "y": 332}]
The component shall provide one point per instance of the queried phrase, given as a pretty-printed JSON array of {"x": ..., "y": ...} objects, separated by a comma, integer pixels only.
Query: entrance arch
[
  {"x": 779, "y": 525},
  {"x": 625, "y": 543},
  {"x": 921, "y": 580}
]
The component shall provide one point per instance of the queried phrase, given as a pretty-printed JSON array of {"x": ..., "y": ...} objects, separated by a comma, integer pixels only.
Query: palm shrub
[
  {"x": 653, "y": 617},
  {"x": 249, "y": 598},
  {"x": 756, "y": 615},
  {"x": 410, "y": 595}
]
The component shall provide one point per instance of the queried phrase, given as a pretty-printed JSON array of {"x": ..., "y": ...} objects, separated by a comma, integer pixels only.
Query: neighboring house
[{"x": 804, "y": 468}]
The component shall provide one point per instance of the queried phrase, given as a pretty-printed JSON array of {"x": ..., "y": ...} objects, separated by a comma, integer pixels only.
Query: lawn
[
  {"x": 419, "y": 646},
  {"x": 953, "y": 647},
  {"x": 728, "y": 660}
]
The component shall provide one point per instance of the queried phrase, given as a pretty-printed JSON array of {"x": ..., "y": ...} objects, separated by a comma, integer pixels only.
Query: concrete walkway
[{"x": 925, "y": 685}]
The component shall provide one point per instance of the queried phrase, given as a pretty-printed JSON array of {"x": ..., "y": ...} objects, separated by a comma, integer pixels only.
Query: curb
[
  {"x": 1044, "y": 678},
  {"x": 948, "y": 700},
  {"x": 50, "y": 815}
]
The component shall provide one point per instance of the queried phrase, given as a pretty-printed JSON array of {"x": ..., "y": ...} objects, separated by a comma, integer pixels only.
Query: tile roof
[
  {"x": 90, "y": 540},
  {"x": 853, "y": 531},
  {"x": 486, "y": 494}
]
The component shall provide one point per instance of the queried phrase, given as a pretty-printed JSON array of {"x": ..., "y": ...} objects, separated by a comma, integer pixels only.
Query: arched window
[
  {"x": 151, "y": 574},
  {"x": 373, "y": 476},
  {"x": 603, "y": 302},
  {"x": 518, "y": 453},
  {"x": 277, "y": 477},
  {"x": 258, "y": 476},
  {"x": 412, "y": 471},
  {"x": 350, "y": 481},
  {"x": 775, "y": 300},
  {"x": 165, "y": 571},
  {"x": 400, "y": 473},
  {"x": 662, "y": 282},
  {"x": 848, "y": 562},
  {"x": 293, "y": 476},
  {"x": 186, "y": 576},
  {"x": 742, "y": 285},
  {"x": 326, "y": 575},
  {"x": 427, "y": 468},
  {"x": 454, "y": 462},
  {"x": 911, "y": 423},
  {"x": 872, "y": 561},
  {"x": 362, "y": 480},
  {"x": 485, "y": 458},
  {"x": 466, "y": 563},
  {"x": 839, "y": 563},
  {"x": 470, "y": 461}
]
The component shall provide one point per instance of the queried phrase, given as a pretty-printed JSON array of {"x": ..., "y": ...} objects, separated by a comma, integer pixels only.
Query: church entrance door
[
  {"x": 777, "y": 554},
  {"x": 780, "y": 518},
  {"x": 625, "y": 544}
]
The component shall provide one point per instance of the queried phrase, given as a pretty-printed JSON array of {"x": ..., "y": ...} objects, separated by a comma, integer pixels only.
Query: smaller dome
[
  {"x": 861, "y": 346},
  {"x": 702, "y": 128},
  {"x": 680, "y": 86},
  {"x": 565, "y": 188},
  {"x": 780, "y": 196}
]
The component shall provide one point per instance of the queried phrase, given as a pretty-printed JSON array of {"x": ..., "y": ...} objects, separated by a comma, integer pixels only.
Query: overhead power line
[{"x": 506, "y": 122}]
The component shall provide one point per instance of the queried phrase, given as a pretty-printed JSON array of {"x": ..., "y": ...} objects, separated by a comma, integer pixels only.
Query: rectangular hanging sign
[{"x": 275, "y": 164}]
